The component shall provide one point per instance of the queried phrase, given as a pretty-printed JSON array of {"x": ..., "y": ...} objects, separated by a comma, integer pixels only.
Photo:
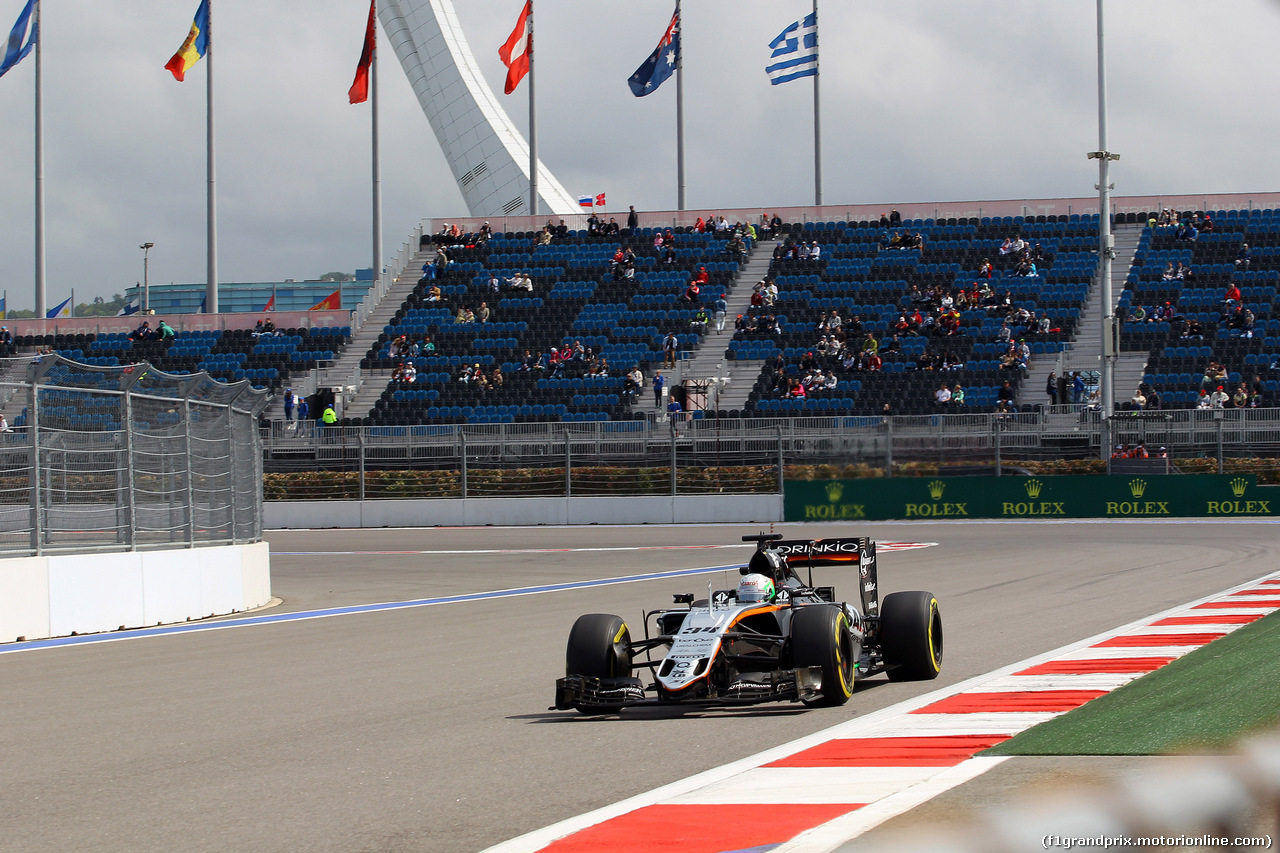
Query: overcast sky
[{"x": 923, "y": 100}]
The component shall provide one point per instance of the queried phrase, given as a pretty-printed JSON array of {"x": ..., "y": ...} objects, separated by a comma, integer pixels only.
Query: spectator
[
  {"x": 633, "y": 220},
  {"x": 6, "y": 336},
  {"x": 1219, "y": 398},
  {"x": 1139, "y": 400},
  {"x": 1005, "y": 394},
  {"x": 1244, "y": 257},
  {"x": 165, "y": 332},
  {"x": 942, "y": 397},
  {"x": 670, "y": 346},
  {"x": 721, "y": 309},
  {"x": 289, "y": 403},
  {"x": 957, "y": 395},
  {"x": 659, "y": 382},
  {"x": 482, "y": 313},
  {"x": 1051, "y": 388},
  {"x": 304, "y": 414},
  {"x": 1077, "y": 388},
  {"x": 631, "y": 383}
]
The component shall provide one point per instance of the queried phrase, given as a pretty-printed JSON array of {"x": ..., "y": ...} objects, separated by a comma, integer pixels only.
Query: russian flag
[{"x": 586, "y": 201}]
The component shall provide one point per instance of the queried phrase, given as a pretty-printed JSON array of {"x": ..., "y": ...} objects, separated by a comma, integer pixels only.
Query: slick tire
[
  {"x": 600, "y": 647},
  {"x": 911, "y": 636},
  {"x": 821, "y": 636}
]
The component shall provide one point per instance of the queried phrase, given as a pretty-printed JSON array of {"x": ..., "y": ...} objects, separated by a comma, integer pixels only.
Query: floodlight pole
[
  {"x": 146, "y": 277},
  {"x": 1106, "y": 252}
]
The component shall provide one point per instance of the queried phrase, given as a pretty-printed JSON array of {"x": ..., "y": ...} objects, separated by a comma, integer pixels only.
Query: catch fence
[
  {"x": 125, "y": 458},
  {"x": 715, "y": 456}
]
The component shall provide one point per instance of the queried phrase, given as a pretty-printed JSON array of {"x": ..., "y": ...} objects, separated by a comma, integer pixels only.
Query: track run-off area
[{"x": 396, "y": 698}]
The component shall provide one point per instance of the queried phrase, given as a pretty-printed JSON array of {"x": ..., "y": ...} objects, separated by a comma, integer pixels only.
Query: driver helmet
[{"x": 755, "y": 588}]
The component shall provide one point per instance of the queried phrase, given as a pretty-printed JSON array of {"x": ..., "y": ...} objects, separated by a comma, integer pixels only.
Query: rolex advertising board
[{"x": 1156, "y": 496}]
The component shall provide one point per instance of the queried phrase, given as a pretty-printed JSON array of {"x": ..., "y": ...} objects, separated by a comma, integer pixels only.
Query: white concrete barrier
[
  {"x": 462, "y": 512},
  {"x": 60, "y": 595}
]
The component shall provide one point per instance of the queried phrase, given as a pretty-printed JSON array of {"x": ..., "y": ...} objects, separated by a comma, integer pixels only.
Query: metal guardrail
[
  {"x": 125, "y": 459},
  {"x": 1057, "y": 432}
]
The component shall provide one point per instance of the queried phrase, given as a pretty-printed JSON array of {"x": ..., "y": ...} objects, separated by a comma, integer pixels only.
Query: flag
[
  {"x": 359, "y": 91},
  {"x": 332, "y": 302},
  {"x": 62, "y": 309},
  {"x": 600, "y": 200},
  {"x": 16, "y": 51},
  {"x": 661, "y": 62},
  {"x": 795, "y": 51},
  {"x": 204, "y": 304},
  {"x": 195, "y": 47},
  {"x": 517, "y": 66},
  {"x": 271, "y": 304},
  {"x": 3, "y": 300},
  {"x": 130, "y": 307},
  {"x": 586, "y": 201}
]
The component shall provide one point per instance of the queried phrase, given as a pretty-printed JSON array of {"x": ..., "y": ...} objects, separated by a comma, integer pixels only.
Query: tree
[{"x": 338, "y": 276}]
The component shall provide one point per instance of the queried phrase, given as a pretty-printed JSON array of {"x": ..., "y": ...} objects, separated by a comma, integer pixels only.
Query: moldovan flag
[
  {"x": 517, "y": 66},
  {"x": 332, "y": 302},
  {"x": 359, "y": 92},
  {"x": 195, "y": 47}
]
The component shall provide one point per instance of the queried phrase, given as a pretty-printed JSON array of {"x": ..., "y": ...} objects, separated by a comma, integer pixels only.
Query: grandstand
[{"x": 580, "y": 296}]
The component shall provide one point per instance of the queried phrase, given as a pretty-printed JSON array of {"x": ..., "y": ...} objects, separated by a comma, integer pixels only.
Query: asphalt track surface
[{"x": 425, "y": 728}]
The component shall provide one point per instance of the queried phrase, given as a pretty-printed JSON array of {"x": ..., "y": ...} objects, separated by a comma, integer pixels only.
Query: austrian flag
[{"x": 518, "y": 66}]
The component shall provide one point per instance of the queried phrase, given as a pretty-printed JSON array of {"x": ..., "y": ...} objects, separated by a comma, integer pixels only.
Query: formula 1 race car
[{"x": 775, "y": 637}]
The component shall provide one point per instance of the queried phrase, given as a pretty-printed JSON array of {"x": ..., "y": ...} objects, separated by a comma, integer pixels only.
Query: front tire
[
  {"x": 911, "y": 636},
  {"x": 821, "y": 636},
  {"x": 599, "y": 647}
]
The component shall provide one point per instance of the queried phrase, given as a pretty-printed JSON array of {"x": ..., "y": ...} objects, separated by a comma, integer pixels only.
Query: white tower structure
[{"x": 488, "y": 156}]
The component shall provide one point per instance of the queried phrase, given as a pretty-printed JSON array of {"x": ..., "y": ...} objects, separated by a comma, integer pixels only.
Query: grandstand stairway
[
  {"x": 367, "y": 392},
  {"x": 710, "y": 360},
  {"x": 1083, "y": 352}
]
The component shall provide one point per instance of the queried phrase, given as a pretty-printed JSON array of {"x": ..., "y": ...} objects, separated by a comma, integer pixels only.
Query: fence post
[
  {"x": 672, "y": 423},
  {"x": 996, "y": 426},
  {"x": 231, "y": 472},
  {"x": 781, "y": 464},
  {"x": 568, "y": 465},
  {"x": 191, "y": 499},
  {"x": 37, "y": 531},
  {"x": 130, "y": 506},
  {"x": 462, "y": 443},
  {"x": 360, "y": 450},
  {"x": 888, "y": 446},
  {"x": 1217, "y": 420}
]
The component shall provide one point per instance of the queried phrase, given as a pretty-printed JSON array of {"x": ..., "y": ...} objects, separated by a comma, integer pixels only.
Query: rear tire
[
  {"x": 599, "y": 647},
  {"x": 911, "y": 636},
  {"x": 821, "y": 636}
]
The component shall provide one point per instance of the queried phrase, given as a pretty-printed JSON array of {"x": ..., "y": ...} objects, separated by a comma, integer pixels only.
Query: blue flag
[
  {"x": 204, "y": 303},
  {"x": 795, "y": 51},
  {"x": 661, "y": 62},
  {"x": 131, "y": 307},
  {"x": 62, "y": 309},
  {"x": 15, "y": 50}
]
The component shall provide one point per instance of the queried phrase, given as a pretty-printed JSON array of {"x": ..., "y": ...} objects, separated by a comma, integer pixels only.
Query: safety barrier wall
[
  {"x": 691, "y": 509},
  {"x": 1135, "y": 497},
  {"x": 89, "y": 593}
]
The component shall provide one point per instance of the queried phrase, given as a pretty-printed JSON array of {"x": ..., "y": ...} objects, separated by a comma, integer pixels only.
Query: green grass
[{"x": 1205, "y": 700}]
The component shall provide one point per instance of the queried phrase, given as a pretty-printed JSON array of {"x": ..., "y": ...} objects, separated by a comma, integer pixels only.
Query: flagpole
[
  {"x": 211, "y": 214},
  {"x": 377, "y": 172},
  {"x": 680, "y": 112},
  {"x": 817, "y": 117},
  {"x": 533, "y": 125},
  {"x": 39, "y": 121}
]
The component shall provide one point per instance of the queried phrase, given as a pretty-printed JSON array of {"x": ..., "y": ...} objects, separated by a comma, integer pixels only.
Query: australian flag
[{"x": 661, "y": 62}]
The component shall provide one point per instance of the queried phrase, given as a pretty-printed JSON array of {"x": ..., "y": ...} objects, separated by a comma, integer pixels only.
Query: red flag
[
  {"x": 518, "y": 66},
  {"x": 359, "y": 92},
  {"x": 271, "y": 304},
  {"x": 600, "y": 200},
  {"x": 332, "y": 302}
]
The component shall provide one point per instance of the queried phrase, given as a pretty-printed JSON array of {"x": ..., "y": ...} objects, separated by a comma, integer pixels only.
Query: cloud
[{"x": 923, "y": 100}]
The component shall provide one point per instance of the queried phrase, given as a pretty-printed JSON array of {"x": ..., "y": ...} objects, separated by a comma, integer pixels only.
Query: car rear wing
[{"x": 858, "y": 551}]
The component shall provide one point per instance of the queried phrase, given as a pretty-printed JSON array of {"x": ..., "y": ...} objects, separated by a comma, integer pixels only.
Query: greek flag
[
  {"x": 15, "y": 50},
  {"x": 795, "y": 51}
]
